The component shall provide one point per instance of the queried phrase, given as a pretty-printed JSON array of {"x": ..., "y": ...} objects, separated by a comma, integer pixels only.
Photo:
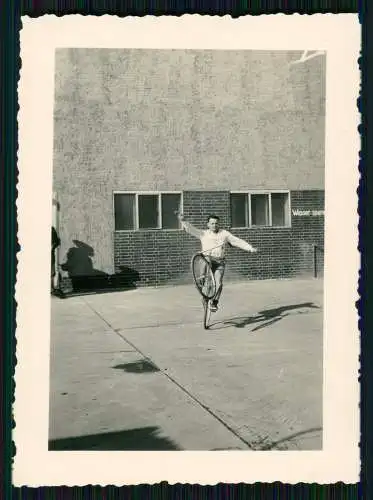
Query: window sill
[
  {"x": 261, "y": 227},
  {"x": 150, "y": 230}
]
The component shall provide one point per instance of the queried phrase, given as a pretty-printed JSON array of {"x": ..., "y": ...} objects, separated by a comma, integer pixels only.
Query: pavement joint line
[
  {"x": 190, "y": 395},
  {"x": 158, "y": 325}
]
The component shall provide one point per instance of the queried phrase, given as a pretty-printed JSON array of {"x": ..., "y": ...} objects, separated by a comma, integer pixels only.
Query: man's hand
[
  {"x": 180, "y": 216},
  {"x": 253, "y": 250}
]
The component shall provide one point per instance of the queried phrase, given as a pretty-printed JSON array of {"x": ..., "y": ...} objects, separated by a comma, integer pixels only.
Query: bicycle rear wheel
[{"x": 203, "y": 276}]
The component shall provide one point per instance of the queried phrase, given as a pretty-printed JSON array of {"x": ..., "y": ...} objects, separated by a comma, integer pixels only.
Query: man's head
[{"x": 213, "y": 223}]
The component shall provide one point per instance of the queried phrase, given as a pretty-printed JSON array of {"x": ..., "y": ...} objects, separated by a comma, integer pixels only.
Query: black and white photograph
[
  {"x": 187, "y": 249},
  {"x": 159, "y": 156}
]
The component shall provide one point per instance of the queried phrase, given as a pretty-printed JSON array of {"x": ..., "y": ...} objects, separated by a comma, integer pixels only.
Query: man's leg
[
  {"x": 219, "y": 275},
  {"x": 202, "y": 274}
]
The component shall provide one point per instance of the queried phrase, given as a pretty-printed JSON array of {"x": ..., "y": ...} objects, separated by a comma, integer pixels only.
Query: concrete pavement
[{"x": 136, "y": 370}]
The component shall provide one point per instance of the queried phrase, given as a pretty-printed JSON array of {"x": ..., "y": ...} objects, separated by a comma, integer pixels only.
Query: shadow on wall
[
  {"x": 84, "y": 277},
  {"x": 145, "y": 438}
]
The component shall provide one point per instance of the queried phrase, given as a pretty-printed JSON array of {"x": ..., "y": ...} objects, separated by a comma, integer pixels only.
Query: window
[
  {"x": 148, "y": 211},
  {"x": 170, "y": 204},
  {"x": 124, "y": 208},
  {"x": 252, "y": 209},
  {"x": 134, "y": 211},
  {"x": 280, "y": 209},
  {"x": 259, "y": 209},
  {"x": 239, "y": 209}
]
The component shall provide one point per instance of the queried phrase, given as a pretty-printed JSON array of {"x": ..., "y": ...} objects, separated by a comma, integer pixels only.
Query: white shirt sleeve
[
  {"x": 189, "y": 228},
  {"x": 237, "y": 242}
]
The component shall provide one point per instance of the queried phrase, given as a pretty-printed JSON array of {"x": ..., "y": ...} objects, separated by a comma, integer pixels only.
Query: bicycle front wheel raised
[{"x": 203, "y": 276}]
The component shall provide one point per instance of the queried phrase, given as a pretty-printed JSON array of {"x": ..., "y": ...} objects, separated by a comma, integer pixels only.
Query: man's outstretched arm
[
  {"x": 238, "y": 243},
  {"x": 189, "y": 228}
]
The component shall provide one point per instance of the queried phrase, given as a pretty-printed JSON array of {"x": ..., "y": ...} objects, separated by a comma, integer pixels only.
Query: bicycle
[
  {"x": 205, "y": 283},
  {"x": 204, "y": 272}
]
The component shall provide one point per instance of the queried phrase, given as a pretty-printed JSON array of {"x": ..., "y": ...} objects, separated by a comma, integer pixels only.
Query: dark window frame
[
  {"x": 268, "y": 193},
  {"x": 136, "y": 195}
]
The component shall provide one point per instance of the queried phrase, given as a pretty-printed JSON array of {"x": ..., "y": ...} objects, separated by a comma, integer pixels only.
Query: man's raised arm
[{"x": 189, "y": 228}]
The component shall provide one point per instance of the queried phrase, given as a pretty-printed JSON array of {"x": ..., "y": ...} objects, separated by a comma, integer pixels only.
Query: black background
[{"x": 10, "y": 12}]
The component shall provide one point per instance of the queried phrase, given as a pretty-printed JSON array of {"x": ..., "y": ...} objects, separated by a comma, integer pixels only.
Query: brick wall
[
  {"x": 163, "y": 257},
  {"x": 198, "y": 205},
  {"x": 307, "y": 231}
]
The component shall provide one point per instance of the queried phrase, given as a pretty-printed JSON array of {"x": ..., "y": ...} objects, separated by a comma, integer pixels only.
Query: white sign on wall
[{"x": 308, "y": 213}]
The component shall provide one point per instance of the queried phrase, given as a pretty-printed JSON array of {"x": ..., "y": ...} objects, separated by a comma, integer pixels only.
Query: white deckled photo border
[{"x": 339, "y": 36}]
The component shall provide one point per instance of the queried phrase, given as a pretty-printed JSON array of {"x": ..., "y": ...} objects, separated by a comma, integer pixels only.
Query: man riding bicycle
[{"x": 214, "y": 241}]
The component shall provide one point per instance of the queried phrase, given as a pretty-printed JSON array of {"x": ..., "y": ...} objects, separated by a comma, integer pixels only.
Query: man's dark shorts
[{"x": 217, "y": 264}]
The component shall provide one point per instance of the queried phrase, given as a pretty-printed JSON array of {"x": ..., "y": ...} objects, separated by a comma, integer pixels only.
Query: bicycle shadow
[{"x": 265, "y": 318}]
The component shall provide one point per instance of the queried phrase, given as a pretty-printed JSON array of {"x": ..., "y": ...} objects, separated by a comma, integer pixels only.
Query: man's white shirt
[{"x": 214, "y": 243}]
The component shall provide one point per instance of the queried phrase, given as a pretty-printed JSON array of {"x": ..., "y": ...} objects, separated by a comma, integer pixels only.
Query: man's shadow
[
  {"x": 265, "y": 318},
  {"x": 84, "y": 277}
]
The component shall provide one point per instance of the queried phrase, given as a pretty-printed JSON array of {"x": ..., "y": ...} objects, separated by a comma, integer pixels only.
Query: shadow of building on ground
[
  {"x": 84, "y": 278},
  {"x": 144, "y": 438}
]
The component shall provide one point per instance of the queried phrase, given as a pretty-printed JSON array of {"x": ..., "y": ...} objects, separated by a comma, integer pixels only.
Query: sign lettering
[{"x": 308, "y": 213}]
